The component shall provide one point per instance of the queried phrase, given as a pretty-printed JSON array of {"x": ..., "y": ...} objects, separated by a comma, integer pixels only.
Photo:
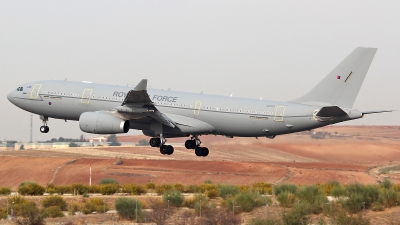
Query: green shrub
[
  {"x": 247, "y": 201},
  {"x": 3, "y": 213},
  {"x": 212, "y": 193},
  {"x": 126, "y": 208},
  {"x": 244, "y": 188},
  {"x": 109, "y": 189},
  {"x": 66, "y": 189},
  {"x": 174, "y": 197},
  {"x": 191, "y": 202},
  {"x": 314, "y": 196},
  {"x": 358, "y": 193},
  {"x": 344, "y": 218},
  {"x": 28, "y": 213},
  {"x": 179, "y": 187},
  {"x": 389, "y": 198},
  {"x": 203, "y": 188},
  {"x": 79, "y": 189},
  {"x": 73, "y": 208},
  {"x": 297, "y": 215},
  {"x": 54, "y": 200},
  {"x": 94, "y": 205},
  {"x": 191, "y": 189},
  {"x": 286, "y": 199},
  {"x": 377, "y": 207},
  {"x": 338, "y": 191},
  {"x": 354, "y": 203},
  {"x": 386, "y": 183},
  {"x": 134, "y": 189},
  {"x": 262, "y": 188},
  {"x": 163, "y": 187},
  {"x": 108, "y": 181},
  {"x": 290, "y": 188},
  {"x": 150, "y": 185},
  {"x": 30, "y": 188},
  {"x": 53, "y": 212},
  {"x": 226, "y": 191},
  {"x": 5, "y": 191}
]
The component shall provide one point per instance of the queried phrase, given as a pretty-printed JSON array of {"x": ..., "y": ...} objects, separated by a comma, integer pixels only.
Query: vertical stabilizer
[{"x": 341, "y": 86}]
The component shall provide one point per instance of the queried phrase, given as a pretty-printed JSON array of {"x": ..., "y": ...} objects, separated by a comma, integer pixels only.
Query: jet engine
[{"x": 102, "y": 123}]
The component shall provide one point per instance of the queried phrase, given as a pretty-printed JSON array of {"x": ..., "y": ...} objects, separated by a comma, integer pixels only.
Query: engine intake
[{"x": 102, "y": 123}]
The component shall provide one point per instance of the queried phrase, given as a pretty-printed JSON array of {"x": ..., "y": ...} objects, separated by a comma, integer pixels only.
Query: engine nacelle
[{"x": 102, "y": 123}]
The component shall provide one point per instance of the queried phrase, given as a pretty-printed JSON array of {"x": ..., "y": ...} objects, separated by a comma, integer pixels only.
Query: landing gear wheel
[
  {"x": 198, "y": 151},
  {"x": 190, "y": 144},
  {"x": 166, "y": 149},
  {"x": 204, "y": 152},
  {"x": 170, "y": 150},
  {"x": 44, "y": 129},
  {"x": 155, "y": 142}
]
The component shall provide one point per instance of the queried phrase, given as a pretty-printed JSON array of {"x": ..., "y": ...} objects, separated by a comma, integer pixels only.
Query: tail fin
[{"x": 341, "y": 86}]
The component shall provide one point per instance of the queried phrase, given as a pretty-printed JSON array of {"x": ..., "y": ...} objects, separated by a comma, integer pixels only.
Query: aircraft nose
[{"x": 10, "y": 97}]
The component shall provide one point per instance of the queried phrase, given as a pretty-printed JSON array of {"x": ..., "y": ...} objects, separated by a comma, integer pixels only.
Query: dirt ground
[{"x": 347, "y": 154}]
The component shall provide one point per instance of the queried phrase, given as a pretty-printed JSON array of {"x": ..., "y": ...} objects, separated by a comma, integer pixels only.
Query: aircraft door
[
  {"x": 197, "y": 108},
  {"x": 35, "y": 91},
  {"x": 87, "y": 93},
  {"x": 279, "y": 113}
]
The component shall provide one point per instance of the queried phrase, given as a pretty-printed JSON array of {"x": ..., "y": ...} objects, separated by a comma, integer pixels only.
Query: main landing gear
[
  {"x": 160, "y": 142},
  {"x": 193, "y": 143},
  {"x": 44, "y": 128}
]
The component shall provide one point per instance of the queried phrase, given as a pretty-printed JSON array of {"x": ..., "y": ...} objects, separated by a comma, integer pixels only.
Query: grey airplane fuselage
[{"x": 220, "y": 115}]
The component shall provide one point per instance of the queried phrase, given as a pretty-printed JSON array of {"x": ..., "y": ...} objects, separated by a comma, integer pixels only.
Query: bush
[
  {"x": 28, "y": 213},
  {"x": 66, "y": 189},
  {"x": 191, "y": 189},
  {"x": 290, "y": 188},
  {"x": 3, "y": 213},
  {"x": 207, "y": 187},
  {"x": 247, "y": 201},
  {"x": 338, "y": 191},
  {"x": 314, "y": 196},
  {"x": 354, "y": 203},
  {"x": 80, "y": 189},
  {"x": 54, "y": 200},
  {"x": 226, "y": 191},
  {"x": 94, "y": 205},
  {"x": 109, "y": 189},
  {"x": 389, "y": 198},
  {"x": 286, "y": 199},
  {"x": 150, "y": 185},
  {"x": 297, "y": 215},
  {"x": 386, "y": 183},
  {"x": 179, "y": 187},
  {"x": 163, "y": 187},
  {"x": 126, "y": 208},
  {"x": 30, "y": 188},
  {"x": 262, "y": 188},
  {"x": 377, "y": 207},
  {"x": 191, "y": 202},
  {"x": 5, "y": 191},
  {"x": 264, "y": 221},
  {"x": 53, "y": 212},
  {"x": 343, "y": 218},
  {"x": 174, "y": 197},
  {"x": 72, "y": 145},
  {"x": 134, "y": 189},
  {"x": 212, "y": 193},
  {"x": 73, "y": 208},
  {"x": 108, "y": 181}
]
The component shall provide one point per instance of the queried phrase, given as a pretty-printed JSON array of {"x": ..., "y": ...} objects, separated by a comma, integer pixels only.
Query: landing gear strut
[
  {"x": 194, "y": 143},
  {"x": 44, "y": 128}
]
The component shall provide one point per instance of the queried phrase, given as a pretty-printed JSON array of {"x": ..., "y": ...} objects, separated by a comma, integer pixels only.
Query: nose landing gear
[{"x": 44, "y": 128}]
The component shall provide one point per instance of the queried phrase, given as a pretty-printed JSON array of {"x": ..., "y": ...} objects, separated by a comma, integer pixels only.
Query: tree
[
  {"x": 72, "y": 145},
  {"x": 113, "y": 139},
  {"x": 126, "y": 208},
  {"x": 160, "y": 211},
  {"x": 22, "y": 147}
]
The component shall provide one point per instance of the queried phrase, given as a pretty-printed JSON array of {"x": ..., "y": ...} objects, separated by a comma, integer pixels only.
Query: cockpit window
[{"x": 20, "y": 89}]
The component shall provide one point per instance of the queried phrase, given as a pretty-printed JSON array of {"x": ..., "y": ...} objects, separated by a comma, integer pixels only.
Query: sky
[{"x": 276, "y": 50}]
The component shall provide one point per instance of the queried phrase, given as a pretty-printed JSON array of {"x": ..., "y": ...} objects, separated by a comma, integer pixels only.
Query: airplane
[{"x": 162, "y": 114}]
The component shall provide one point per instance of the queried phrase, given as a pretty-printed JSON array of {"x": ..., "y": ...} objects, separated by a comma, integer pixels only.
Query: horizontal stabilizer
[
  {"x": 379, "y": 111},
  {"x": 329, "y": 111}
]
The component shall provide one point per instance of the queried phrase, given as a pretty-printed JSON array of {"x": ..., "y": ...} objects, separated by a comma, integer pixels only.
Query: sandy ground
[{"x": 349, "y": 154}]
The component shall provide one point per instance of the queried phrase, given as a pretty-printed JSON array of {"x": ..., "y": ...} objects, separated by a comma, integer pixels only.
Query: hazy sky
[{"x": 271, "y": 49}]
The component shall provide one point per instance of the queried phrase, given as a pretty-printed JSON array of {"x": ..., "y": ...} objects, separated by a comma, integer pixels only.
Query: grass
[{"x": 391, "y": 169}]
